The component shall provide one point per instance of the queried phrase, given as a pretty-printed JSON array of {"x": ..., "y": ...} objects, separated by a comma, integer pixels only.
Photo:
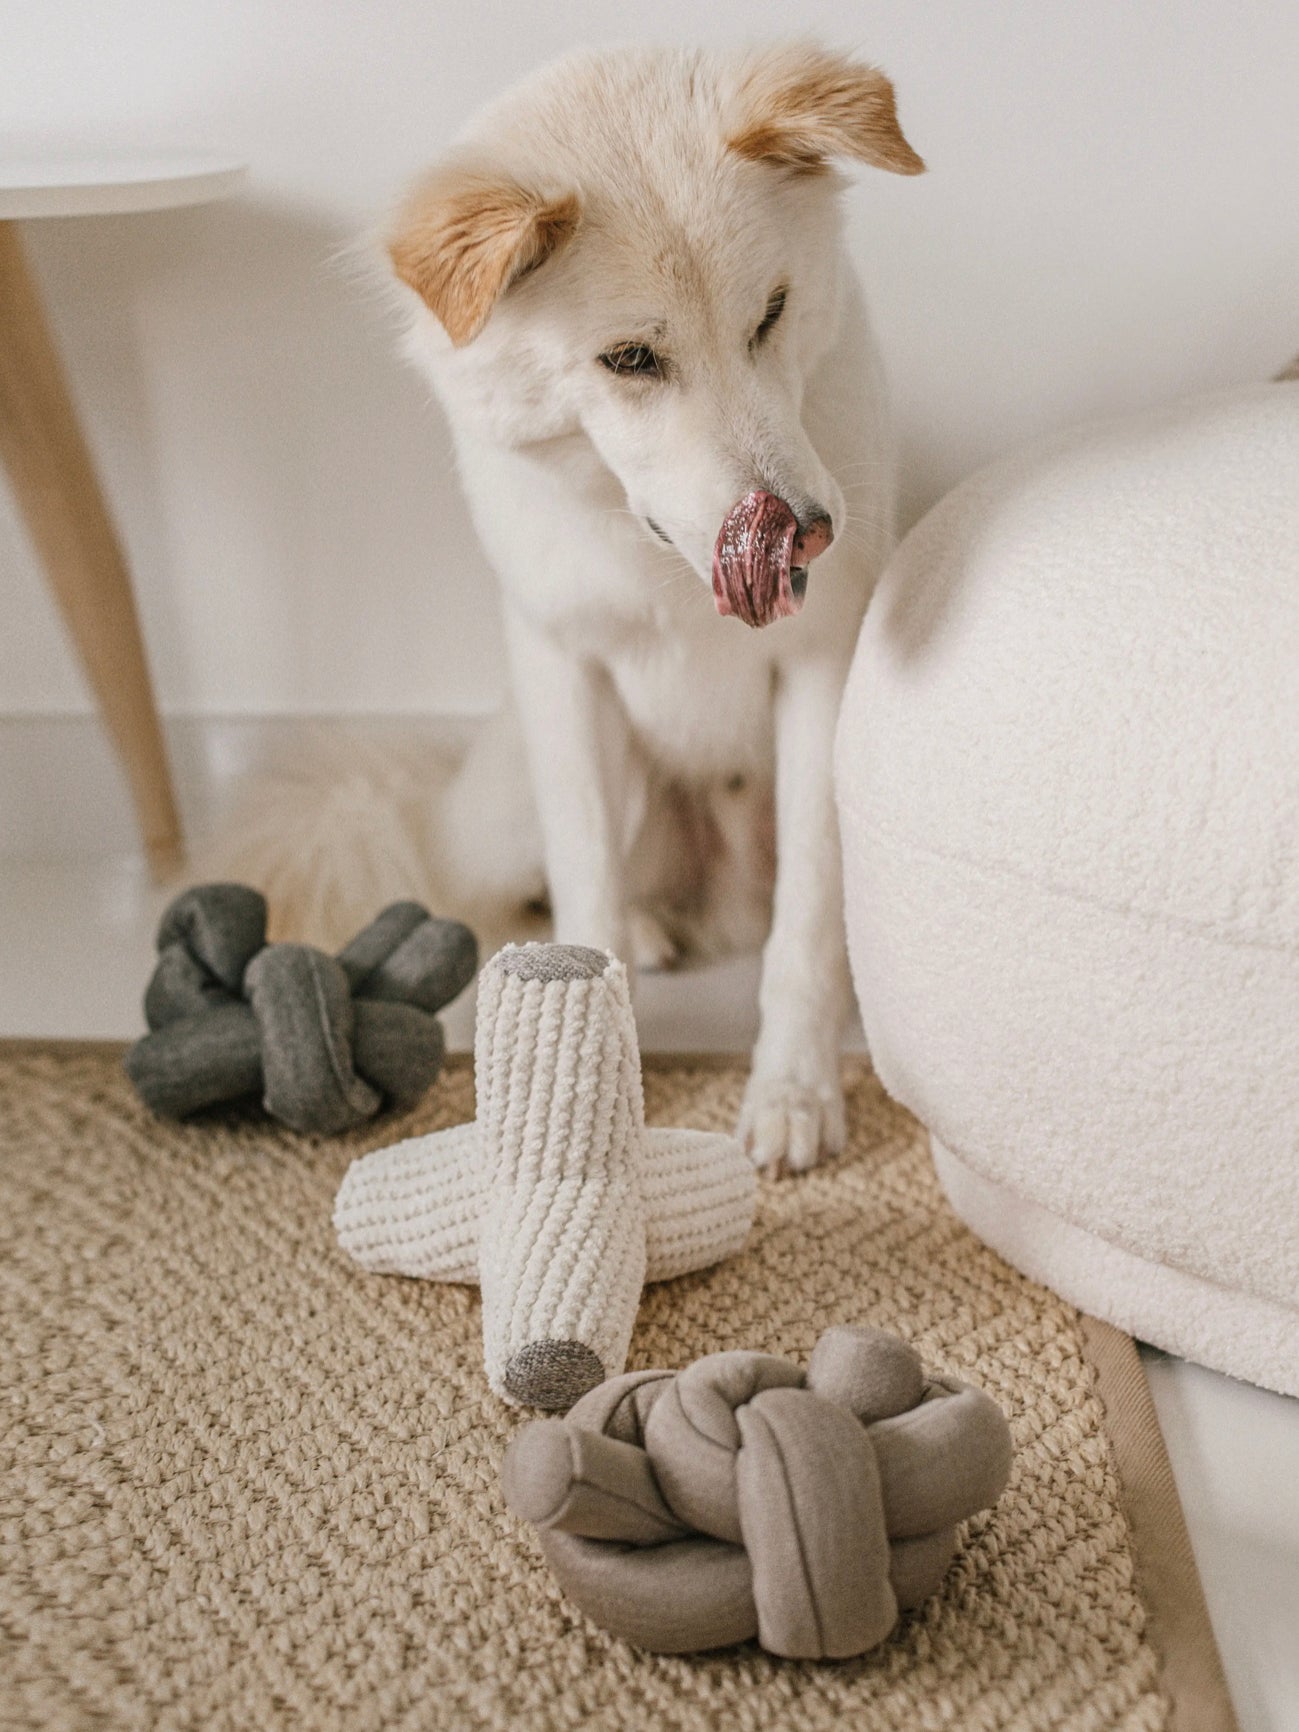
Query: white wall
[{"x": 1109, "y": 220}]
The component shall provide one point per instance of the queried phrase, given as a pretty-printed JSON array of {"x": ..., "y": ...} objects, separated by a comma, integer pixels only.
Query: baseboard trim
[{"x": 63, "y": 794}]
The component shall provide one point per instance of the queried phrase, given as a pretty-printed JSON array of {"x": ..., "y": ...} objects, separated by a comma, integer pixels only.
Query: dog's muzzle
[{"x": 761, "y": 558}]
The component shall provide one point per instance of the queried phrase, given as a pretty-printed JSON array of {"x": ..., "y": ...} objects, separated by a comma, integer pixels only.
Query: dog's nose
[{"x": 815, "y": 533}]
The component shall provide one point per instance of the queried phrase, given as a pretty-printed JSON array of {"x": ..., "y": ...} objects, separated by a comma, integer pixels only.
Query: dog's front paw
[{"x": 787, "y": 1124}]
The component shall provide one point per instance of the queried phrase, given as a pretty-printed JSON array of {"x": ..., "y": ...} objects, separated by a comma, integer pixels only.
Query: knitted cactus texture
[
  {"x": 562, "y": 1252},
  {"x": 700, "y": 1190},
  {"x": 557, "y": 1199},
  {"x": 415, "y": 1208}
]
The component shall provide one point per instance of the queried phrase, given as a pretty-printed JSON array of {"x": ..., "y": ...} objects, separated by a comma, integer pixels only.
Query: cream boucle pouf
[{"x": 1068, "y": 777}]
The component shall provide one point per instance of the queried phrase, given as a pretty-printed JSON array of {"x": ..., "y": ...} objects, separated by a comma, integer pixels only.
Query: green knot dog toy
[
  {"x": 325, "y": 1041},
  {"x": 744, "y": 1496}
]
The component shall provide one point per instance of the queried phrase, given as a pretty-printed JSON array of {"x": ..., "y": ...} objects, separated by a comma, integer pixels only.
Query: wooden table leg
[{"x": 54, "y": 483}]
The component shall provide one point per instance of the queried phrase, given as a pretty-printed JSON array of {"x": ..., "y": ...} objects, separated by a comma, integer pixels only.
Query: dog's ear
[
  {"x": 799, "y": 106},
  {"x": 465, "y": 234}
]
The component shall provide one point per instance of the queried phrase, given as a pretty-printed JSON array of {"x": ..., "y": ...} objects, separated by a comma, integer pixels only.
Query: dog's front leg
[
  {"x": 574, "y": 736},
  {"x": 793, "y": 1107}
]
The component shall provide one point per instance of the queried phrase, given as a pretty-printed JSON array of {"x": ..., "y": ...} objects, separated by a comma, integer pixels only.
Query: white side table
[{"x": 50, "y": 468}]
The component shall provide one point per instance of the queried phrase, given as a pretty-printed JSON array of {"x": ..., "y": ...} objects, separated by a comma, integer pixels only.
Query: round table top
[{"x": 49, "y": 184}]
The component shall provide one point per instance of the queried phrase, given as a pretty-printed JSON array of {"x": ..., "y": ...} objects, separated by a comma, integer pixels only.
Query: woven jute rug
[{"x": 244, "y": 1486}]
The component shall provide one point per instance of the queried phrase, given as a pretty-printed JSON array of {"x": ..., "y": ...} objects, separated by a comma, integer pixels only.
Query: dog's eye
[
  {"x": 775, "y": 307},
  {"x": 633, "y": 358}
]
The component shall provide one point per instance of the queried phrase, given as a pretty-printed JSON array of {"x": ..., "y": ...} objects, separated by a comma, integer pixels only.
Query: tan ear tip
[
  {"x": 409, "y": 261},
  {"x": 395, "y": 251}
]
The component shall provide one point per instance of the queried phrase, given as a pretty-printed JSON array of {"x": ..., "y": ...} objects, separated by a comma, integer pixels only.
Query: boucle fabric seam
[
  {"x": 1247, "y": 1337},
  {"x": 901, "y": 842},
  {"x": 986, "y": 1169}
]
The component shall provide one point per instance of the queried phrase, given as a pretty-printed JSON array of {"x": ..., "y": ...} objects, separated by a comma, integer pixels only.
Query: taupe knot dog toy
[
  {"x": 744, "y": 1496},
  {"x": 325, "y": 1041}
]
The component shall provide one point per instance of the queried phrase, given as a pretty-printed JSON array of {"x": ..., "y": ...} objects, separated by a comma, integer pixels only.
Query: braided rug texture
[{"x": 245, "y": 1485}]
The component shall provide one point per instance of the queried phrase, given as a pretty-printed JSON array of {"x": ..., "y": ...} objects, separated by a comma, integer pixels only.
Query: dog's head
[{"x": 642, "y": 247}]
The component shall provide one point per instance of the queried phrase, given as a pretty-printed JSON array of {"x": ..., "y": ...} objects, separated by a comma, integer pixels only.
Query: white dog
[
  {"x": 631, "y": 295},
  {"x": 630, "y": 292}
]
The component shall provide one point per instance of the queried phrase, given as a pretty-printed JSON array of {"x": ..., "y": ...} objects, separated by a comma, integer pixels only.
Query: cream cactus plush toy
[{"x": 557, "y": 1199}]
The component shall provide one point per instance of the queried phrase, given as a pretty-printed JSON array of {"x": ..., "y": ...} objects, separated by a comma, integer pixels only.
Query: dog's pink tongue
[{"x": 752, "y": 560}]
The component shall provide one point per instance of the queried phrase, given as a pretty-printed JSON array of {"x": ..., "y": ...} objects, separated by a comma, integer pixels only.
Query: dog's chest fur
[
  {"x": 698, "y": 707},
  {"x": 696, "y": 689}
]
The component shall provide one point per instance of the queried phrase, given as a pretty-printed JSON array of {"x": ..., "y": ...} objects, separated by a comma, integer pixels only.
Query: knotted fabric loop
[
  {"x": 733, "y": 1499},
  {"x": 325, "y": 1041}
]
